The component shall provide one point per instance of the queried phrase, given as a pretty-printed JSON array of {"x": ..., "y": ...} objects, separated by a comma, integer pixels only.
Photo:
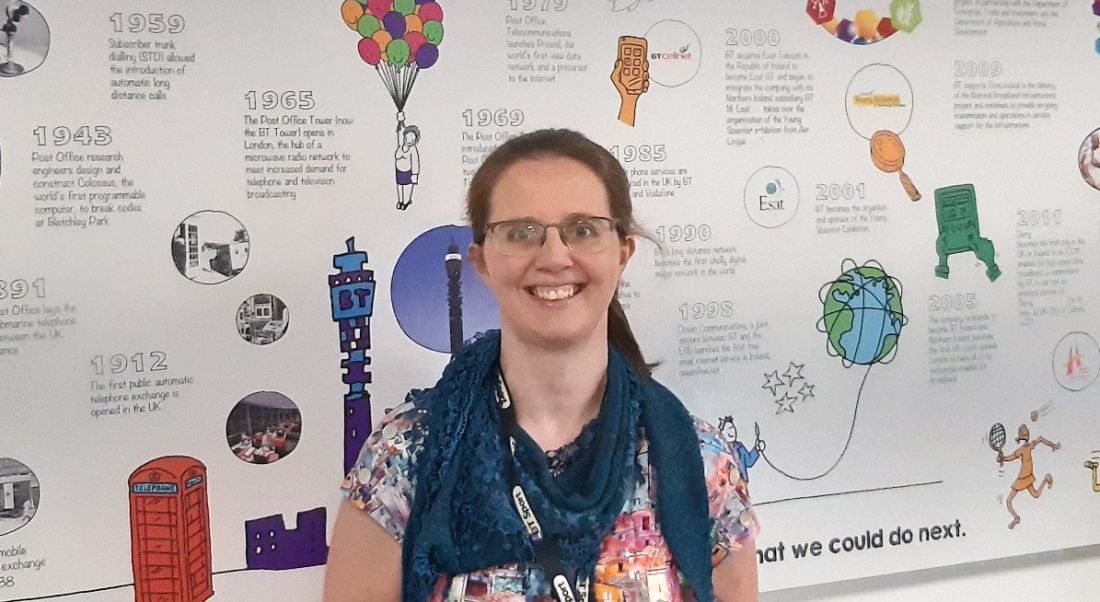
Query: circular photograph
[
  {"x": 438, "y": 298},
  {"x": 24, "y": 38},
  {"x": 263, "y": 428},
  {"x": 19, "y": 495},
  {"x": 262, "y": 319},
  {"x": 879, "y": 97},
  {"x": 675, "y": 53},
  {"x": 864, "y": 22},
  {"x": 210, "y": 247},
  {"x": 771, "y": 196},
  {"x": 1076, "y": 361},
  {"x": 1088, "y": 159}
]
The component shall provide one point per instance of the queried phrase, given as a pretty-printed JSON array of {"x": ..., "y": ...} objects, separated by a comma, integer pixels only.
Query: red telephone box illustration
[{"x": 170, "y": 531}]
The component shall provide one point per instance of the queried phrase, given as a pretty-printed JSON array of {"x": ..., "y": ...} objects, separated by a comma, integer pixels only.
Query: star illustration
[
  {"x": 773, "y": 381},
  {"x": 807, "y": 391},
  {"x": 785, "y": 403},
  {"x": 793, "y": 373}
]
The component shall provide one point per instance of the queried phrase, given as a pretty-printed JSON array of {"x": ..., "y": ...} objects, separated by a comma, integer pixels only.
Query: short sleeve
[
  {"x": 733, "y": 521},
  {"x": 382, "y": 480}
]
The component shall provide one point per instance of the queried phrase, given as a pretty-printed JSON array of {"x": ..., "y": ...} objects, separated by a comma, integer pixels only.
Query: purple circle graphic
[{"x": 429, "y": 273}]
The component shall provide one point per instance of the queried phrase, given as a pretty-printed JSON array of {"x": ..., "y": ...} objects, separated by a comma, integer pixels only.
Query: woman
[{"x": 453, "y": 497}]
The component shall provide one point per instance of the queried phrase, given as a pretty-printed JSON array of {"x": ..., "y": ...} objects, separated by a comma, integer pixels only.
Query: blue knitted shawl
[{"x": 462, "y": 518}]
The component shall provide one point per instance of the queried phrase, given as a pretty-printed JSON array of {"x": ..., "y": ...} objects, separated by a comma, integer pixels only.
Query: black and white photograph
[
  {"x": 24, "y": 38},
  {"x": 210, "y": 247},
  {"x": 262, "y": 319},
  {"x": 263, "y": 428},
  {"x": 19, "y": 495}
]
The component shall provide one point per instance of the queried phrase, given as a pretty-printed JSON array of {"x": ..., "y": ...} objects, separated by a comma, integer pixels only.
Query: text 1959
[{"x": 151, "y": 23}]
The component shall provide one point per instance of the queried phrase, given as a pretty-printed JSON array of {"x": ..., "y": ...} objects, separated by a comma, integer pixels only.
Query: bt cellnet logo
[{"x": 681, "y": 54}]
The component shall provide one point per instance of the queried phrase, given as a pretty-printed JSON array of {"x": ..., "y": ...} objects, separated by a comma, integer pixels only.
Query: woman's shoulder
[
  {"x": 392, "y": 446},
  {"x": 710, "y": 436},
  {"x": 383, "y": 479},
  {"x": 719, "y": 457},
  {"x": 402, "y": 426}
]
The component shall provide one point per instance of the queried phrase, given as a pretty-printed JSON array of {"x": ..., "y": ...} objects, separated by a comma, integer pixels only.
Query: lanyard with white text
[{"x": 546, "y": 554}]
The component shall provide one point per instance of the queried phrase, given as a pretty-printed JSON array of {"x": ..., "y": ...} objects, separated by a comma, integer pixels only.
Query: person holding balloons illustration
[
  {"x": 406, "y": 161},
  {"x": 398, "y": 38}
]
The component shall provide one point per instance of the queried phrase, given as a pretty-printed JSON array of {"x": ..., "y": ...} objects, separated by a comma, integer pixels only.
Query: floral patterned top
[{"x": 635, "y": 564}]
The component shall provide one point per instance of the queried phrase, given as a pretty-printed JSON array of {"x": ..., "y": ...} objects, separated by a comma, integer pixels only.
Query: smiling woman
[{"x": 546, "y": 461}]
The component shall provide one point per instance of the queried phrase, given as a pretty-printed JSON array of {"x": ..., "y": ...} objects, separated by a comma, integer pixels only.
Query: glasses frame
[{"x": 612, "y": 224}]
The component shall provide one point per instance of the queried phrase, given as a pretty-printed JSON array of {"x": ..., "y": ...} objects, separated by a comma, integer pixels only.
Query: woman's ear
[
  {"x": 476, "y": 256},
  {"x": 626, "y": 250}
]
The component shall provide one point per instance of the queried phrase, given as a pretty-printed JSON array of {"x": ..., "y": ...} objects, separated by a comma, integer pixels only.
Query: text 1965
[{"x": 291, "y": 100}]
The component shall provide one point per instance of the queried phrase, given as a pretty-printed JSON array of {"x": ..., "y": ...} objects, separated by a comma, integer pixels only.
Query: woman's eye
[
  {"x": 521, "y": 233},
  {"x": 582, "y": 230}
]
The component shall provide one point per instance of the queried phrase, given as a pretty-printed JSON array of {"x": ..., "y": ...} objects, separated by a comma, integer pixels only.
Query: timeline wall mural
[{"x": 871, "y": 262}]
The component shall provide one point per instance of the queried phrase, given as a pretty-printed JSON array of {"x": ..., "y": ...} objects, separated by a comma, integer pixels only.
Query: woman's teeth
[{"x": 553, "y": 294}]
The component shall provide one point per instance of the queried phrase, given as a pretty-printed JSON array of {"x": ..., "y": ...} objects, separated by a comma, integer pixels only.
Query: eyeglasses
[{"x": 583, "y": 235}]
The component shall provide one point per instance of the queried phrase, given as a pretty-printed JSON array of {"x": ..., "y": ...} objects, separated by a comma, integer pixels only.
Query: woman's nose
[{"x": 554, "y": 250}]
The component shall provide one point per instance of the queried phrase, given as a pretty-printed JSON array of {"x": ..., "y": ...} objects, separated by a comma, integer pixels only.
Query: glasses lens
[
  {"x": 519, "y": 237},
  {"x": 587, "y": 234}
]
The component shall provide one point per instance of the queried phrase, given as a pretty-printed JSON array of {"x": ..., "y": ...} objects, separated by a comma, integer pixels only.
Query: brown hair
[{"x": 571, "y": 145}]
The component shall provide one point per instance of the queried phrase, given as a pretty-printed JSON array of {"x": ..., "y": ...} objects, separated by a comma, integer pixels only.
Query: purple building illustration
[
  {"x": 271, "y": 546},
  {"x": 352, "y": 296}
]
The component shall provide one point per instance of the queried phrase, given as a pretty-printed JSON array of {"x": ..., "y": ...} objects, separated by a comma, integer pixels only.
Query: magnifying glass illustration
[{"x": 888, "y": 154}]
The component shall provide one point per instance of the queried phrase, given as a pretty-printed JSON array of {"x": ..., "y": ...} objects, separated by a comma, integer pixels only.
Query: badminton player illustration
[{"x": 1025, "y": 480}]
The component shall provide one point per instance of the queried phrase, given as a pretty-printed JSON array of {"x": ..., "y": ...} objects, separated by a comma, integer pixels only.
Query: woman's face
[{"x": 551, "y": 296}]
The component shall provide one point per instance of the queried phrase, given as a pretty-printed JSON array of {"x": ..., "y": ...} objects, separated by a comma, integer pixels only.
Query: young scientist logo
[{"x": 879, "y": 97}]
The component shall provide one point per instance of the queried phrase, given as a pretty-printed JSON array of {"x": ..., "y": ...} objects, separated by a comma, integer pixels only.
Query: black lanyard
[{"x": 546, "y": 554}]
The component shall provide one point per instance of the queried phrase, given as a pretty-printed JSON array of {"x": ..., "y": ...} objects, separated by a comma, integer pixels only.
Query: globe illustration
[{"x": 862, "y": 315}]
